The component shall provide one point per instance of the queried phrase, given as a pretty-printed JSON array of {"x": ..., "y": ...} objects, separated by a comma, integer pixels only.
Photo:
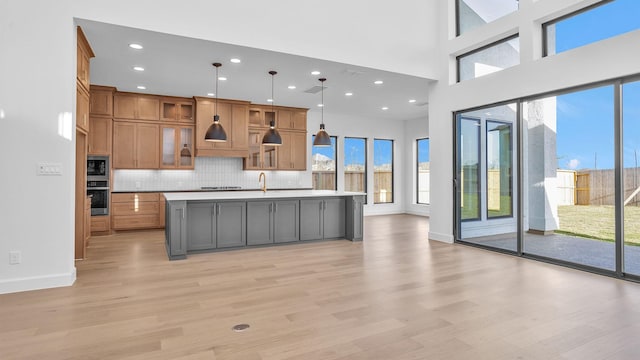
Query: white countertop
[{"x": 255, "y": 195}]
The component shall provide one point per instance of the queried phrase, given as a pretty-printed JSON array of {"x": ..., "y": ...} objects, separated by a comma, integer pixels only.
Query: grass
[{"x": 598, "y": 222}]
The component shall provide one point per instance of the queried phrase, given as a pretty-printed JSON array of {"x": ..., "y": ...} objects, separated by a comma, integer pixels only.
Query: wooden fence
[
  {"x": 354, "y": 181},
  {"x": 597, "y": 187}
]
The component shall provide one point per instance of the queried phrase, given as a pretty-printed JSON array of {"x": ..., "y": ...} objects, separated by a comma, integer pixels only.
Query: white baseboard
[
  {"x": 37, "y": 282},
  {"x": 419, "y": 213},
  {"x": 445, "y": 238}
]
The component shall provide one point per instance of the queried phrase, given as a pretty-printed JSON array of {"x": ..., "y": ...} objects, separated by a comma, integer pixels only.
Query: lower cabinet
[
  {"x": 322, "y": 218},
  {"x": 216, "y": 225},
  {"x": 271, "y": 222},
  {"x": 136, "y": 211}
]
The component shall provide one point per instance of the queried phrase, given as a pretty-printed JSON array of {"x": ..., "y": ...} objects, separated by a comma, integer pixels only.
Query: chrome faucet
[{"x": 264, "y": 185}]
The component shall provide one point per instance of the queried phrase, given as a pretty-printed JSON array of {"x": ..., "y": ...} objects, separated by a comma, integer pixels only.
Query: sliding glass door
[
  {"x": 631, "y": 176},
  {"x": 485, "y": 181},
  {"x": 569, "y": 177}
]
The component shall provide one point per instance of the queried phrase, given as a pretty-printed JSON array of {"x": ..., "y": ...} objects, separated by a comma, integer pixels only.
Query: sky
[{"x": 585, "y": 119}]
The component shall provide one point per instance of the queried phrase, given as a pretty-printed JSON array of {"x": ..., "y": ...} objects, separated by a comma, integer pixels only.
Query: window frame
[
  {"x": 393, "y": 195},
  {"x": 545, "y": 25},
  {"x": 418, "y": 170},
  {"x": 482, "y": 48},
  {"x": 366, "y": 159},
  {"x": 457, "y": 20},
  {"x": 486, "y": 185},
  {"x": 335, "y": 175}
]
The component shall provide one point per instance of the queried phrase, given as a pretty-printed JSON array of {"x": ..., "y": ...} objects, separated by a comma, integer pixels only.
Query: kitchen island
[{"x": 212, "y": 221}]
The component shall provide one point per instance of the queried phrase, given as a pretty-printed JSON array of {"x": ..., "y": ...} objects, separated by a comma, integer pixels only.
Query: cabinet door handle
[
  {"x": 275, "y": 207},
  {"x": 270, "y": 205},
  {"x": 320, "y": 205},
  {"x": 219, "y": 210}
]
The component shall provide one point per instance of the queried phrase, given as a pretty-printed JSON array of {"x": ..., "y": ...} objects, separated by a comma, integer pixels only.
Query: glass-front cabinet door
[{"x": 177, "y": 147}]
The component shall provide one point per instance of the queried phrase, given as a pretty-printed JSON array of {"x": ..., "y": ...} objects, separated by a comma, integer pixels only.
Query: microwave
[{"x": 97, "y": 168}]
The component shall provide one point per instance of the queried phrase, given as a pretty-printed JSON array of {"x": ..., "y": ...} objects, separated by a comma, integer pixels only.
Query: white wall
[
  {"x": 37, "y": 68},
  {"x": 413, "y": 130},
  {"x": 604, "y": 60}
]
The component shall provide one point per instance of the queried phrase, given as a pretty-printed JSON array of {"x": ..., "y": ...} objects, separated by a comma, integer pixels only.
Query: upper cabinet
[
  {"x": 234, "y": 118},
  {"x": 84, "y": 53},
  {"x": 102, "y": 100},
  {"x": 177, "y": 109},
  {"x": 82, "y": 109},
  {"x": 284, "y": 117},
  {"x": 136, "y": 106}
]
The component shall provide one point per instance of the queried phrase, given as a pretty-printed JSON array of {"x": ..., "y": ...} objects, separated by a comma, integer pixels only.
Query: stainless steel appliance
[
  {"x": 97, "y": 168},
  {"x": 98, "y": 184}
]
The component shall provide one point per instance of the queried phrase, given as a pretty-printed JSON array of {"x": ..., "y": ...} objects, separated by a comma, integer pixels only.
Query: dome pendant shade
[
  {"x": 272, "y": 137},
  {"x": 322, "y": 138},
  {"x": 215, "y": 133}
]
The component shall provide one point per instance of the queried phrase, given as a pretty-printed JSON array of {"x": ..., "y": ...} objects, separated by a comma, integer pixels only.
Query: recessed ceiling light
[
  {"x": 320, "y": 105},
  {"x": 211, "y": 94},
  {"x": 141, "y": 87},
  {"x": 135, "y": 46},
  {"x": 412, "y": 101},
  {"x": 235, "y": 61},
  {"x": 378, "y": 82},
  {"x": 291, "y": 87},
  {"x": 222, "y": 78},
  {"x": 315, "y": 72},
  {"x": 385, "y": 108},
  {"x": 138, "y": 68},
  {"x": 348, "y": 94},
  {"x": 269, "y": 100}
]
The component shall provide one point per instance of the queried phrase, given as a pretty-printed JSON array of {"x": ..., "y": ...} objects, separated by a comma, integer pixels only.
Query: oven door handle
[{"x": 98, "y": 188}]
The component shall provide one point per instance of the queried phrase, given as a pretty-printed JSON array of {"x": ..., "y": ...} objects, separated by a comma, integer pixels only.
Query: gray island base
[{"x": 213, "y": 221}]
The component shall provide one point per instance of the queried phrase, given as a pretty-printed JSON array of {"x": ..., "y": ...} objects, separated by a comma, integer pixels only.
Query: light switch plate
[{"x": 49, "y": 169}]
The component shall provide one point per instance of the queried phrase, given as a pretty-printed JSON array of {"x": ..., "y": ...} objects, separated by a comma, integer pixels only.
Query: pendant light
[
  {"x": 216, "y": 133},
  {"x": 322, "y": 138},
  {"x": 272, "y": 137}
]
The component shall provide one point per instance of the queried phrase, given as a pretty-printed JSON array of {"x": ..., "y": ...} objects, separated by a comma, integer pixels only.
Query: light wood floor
[{"x": 395, "y": 296}]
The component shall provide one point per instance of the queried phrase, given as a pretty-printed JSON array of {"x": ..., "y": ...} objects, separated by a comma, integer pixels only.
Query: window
[
  {"x": 323, "y": 166},
  {"x": 489, "y": 59},
  {"x": 382, "y": 171},
  {"x": 601, "y": 21},
  {"x": 355, "y": 164},
  {"x": 499, "y": 169},
  {"x": 469, "y": 167},
  {"x": 422, "y": 171},
  {"x": 475, "y": 13}
]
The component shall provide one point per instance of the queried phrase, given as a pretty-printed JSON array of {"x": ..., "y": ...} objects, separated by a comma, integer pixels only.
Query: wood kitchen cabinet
[
  {"x": 136, "y": 106},
  {"x": 135, "y": 211},
  {"x": 135, "y": 145},
  {"x": 101, "y": 225},
  {"x": 292, "y": 154},
  {"x": 82, "y": 109},
  {"x": 234, "y": 117},
  {"x": 216, "y": 225},
  {"x": 287, "y": 118},
  {"x": 84, "y": 55},
  {"x": 271, "y": 222},
  {"x": 177, "y": 109},
  {"x": 177, "y": 147},
  {"x": 261, "y": 157},
  {"x": 101, "y": 100},
  {"x": 322, "y": 218},
  {"x": 101, "y": 135}
]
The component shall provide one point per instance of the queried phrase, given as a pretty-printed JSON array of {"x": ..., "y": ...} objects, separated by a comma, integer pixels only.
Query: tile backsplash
[{"x": 209, "y": 171}]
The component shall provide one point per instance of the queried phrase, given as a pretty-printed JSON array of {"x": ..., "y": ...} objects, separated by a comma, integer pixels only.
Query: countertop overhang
[{"x": 253, "y": 195}]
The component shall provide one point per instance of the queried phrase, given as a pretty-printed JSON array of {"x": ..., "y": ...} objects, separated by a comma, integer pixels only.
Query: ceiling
[{"x": 181, "y": 66}]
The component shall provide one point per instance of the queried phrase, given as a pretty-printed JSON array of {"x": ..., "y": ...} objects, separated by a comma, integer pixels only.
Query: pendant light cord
[
  {"x": 272, "y": 99},
  {"x": 322, "y": 108},
  {"x": 217, "y": 90}
]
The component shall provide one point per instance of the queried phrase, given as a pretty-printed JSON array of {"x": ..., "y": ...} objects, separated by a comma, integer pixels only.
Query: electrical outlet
[{"x": 15, "y": 257}]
